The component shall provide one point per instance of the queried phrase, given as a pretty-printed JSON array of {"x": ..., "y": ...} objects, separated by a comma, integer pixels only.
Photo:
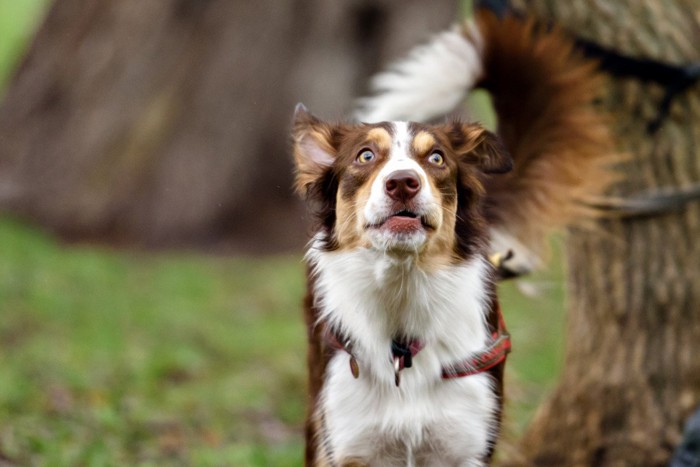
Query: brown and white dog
[{"x": 406, "y": 340}]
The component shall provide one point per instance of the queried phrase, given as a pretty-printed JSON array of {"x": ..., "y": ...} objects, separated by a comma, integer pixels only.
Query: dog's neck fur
[{"x": 373, "y": 297}]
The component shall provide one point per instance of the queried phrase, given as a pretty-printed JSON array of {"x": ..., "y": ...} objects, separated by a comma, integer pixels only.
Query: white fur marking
[
  {"x": 373, "y": 297},
  {"x": 430, "y": 82}
]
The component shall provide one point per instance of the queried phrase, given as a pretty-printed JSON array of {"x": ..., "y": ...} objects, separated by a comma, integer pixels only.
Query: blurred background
[{"x": 151, "y": 269}]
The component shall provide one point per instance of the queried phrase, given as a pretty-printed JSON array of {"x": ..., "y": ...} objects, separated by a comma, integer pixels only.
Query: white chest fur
[{"x": 427, "y": 420}]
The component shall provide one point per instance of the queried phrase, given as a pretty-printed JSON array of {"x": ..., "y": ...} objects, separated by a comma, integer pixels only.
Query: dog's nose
[{"x": 402, "y": 185}]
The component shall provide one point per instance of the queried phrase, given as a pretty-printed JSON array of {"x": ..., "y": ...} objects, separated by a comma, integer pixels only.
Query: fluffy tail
[{"x": 543, "y": 92}]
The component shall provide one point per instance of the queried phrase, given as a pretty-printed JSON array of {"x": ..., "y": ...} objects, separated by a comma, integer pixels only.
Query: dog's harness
[
  {"x": 494, "y": 354},
  {"x": 404, "y": 350}
]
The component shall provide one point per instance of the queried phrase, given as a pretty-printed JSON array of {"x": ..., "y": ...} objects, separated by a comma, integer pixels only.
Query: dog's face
[{"x": 402, "y": 188}]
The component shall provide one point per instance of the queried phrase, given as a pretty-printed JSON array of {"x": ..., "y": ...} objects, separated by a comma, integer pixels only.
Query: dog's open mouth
[
  {"x": 404, "y": 221},
  {"x": 405, "y": 213}
]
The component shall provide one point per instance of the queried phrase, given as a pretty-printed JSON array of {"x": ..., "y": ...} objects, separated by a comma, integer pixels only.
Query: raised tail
[
  {"x": 432, "y": 81},
  {"x": 543, "y": 92}
]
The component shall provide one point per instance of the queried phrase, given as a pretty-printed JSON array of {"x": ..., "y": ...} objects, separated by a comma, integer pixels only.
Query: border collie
[{"x": 407, "y": 343}]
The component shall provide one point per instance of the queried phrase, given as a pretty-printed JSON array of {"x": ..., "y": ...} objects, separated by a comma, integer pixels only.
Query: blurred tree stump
[
  {"x": 632, "y": 369},
  {"x": 166, "y": 122}
]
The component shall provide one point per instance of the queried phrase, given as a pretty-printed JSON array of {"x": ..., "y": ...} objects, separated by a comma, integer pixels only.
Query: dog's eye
[
  {"x": 365, "y": 156},
  {"x": 436, "y": 159}
]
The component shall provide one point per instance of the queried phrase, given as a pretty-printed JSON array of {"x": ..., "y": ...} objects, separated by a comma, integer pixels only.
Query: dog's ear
[
  {"x": 314, "y": 152},
  {"x": 477, "y": 146}
]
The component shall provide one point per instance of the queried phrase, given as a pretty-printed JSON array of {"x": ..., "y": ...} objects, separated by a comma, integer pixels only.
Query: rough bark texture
[
  {"x": 632, "y": 368},
  {"x": 163, "y": 122}
]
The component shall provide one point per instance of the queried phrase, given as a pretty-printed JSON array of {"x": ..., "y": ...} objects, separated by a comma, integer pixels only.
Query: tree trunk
[
  {"x": 163, "y": 122},
  {"x": 632, "y": 369}
]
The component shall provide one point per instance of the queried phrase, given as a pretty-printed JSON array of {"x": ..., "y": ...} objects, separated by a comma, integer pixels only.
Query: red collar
[
  {"x": 403, "y": 351},
  {"x": 494, "y": 354}
]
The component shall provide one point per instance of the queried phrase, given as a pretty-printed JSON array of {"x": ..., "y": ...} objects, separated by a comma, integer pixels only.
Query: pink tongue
[{"x": 399, "y": 224}]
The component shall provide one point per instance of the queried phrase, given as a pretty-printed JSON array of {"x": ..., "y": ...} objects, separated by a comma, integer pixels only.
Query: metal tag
[
  {"x": 354, "y": 367},
  {"x": 397, "y": 369}
]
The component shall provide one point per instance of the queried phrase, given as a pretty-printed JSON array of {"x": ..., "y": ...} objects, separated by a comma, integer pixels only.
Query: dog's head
[{"x": 402, "y": 188}]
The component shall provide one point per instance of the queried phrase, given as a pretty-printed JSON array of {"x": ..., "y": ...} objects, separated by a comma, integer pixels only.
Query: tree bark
[
  {"x": 164, "y": 122},
  {"x": 631, "y": 375}
]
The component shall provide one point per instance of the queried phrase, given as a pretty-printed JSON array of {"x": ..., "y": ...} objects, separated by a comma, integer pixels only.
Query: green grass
[
  {"x": 121, "y": 358},
  {"x": 114, "y": 358},
  {"x": 18, "y": 20},
  {"x": 536, "y": 323}
]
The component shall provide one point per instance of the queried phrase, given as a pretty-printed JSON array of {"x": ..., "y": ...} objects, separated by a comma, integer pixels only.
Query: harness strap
[
  {"x": 492, "y": 356},
  {"x": 403, "y": 352}
]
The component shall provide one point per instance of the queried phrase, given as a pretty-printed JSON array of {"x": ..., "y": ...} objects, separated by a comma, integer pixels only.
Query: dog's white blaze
[
  {"x": 372, "y": 297},
  {"x": 379, "y": 205}
]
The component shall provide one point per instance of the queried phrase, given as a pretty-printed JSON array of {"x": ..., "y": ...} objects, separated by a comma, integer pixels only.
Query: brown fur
[
  {"x": 338, "y": 188},
  {"x": 545, "y": 91}
]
